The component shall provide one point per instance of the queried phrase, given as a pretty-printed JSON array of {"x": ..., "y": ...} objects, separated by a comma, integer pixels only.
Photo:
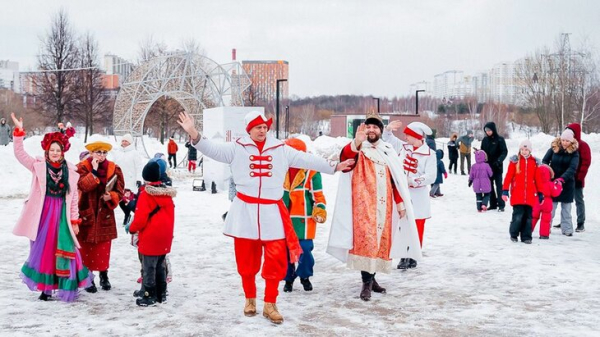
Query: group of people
[{"x": 382, "y": 205}]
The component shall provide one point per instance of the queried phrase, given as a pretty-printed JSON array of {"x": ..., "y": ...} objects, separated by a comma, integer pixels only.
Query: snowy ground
[{"x": 473, "y": 281}]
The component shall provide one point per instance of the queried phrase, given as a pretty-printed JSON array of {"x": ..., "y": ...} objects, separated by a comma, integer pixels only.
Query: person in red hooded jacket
[
  {"x": 585, "y": 159},
  {"x": 520, "y": 179},
  {"x": 543, "y": 209},
  {"x": 154, "y": 220}
]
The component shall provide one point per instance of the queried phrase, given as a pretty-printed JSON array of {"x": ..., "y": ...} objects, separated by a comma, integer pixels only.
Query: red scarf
[{"x": 102, "y": 170}]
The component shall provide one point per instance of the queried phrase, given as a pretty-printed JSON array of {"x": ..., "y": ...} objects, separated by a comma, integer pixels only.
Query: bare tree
[
  {"x": 92, "y": 103},
  {"x": 57, "y": 56}
]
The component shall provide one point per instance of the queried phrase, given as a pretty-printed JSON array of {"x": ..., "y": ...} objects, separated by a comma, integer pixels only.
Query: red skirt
[{"x": 96, "y": 256}]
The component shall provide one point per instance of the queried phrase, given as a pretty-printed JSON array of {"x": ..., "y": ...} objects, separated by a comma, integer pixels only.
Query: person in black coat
[
  {"x": 453, "y": 153},
  {"x": 192, "y": 157},
  {"x": 563, "y": 158},
  {"x": 495, "y": 148}
]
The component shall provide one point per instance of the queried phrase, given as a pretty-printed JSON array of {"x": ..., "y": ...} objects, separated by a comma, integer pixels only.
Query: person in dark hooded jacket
[
  {"x": 453, "y": 152},
  {"x": 585, "y": 159},
  {"x": 563, "y": 158},
  {"x": 495, "y": 147},
  {"x": 441, "y": 170}
]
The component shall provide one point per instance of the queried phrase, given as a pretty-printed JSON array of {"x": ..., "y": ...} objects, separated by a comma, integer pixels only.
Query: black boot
[
  {"x": 365, "y": 293},
  {"x": 139, "y": 293},
  {"x": 377, "y": 288},
  {"x": 306, "y": 284},
  {"x": 149, "y": 298},
  {"x": 44, "y": 296},
  {"x": 580, "y": 227},
  {"x": 412, "y": 263},
  {"x": 404, "y": 264},
  {"x": 556, "y": 226},
  {"x": 161, "y": 293},
  {"x": 288, "y": 287},
  {"x": 92, "y": 289},
  {"x": 104, "y": 283}
]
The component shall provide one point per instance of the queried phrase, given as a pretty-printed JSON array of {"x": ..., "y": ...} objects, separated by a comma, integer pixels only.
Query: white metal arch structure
[{"x": 195, "y": 81}]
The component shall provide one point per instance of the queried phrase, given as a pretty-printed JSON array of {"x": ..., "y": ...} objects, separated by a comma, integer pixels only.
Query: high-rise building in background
[
  {"x": 9, "y": 75},
  {"x": 423, "y": 85},
  {"x": 115, "y": 65},
  {"x": 503, "y": 86},
  {"x": 264, "y": 76},
  {"x": 451, "y": 84}
]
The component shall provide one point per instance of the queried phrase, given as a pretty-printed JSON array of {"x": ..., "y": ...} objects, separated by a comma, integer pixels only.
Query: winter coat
[
  {"x": 420, "y": 166},
  {"x": 172, "y": 147},
  {"x": 29, "y": 220},
  {"x": 521, "y": 185},
  {"x": 259, "y": 174},
  {"x": 495, "y": 148},
  {"x": 130, "y": 162},
  {"x": 564, "y": 164},
  {"x": 154, "y": 220},
  {"x": 546, "y": 187},
  {"x": 192, "y": 152},
  {"x": 452, "y": 150},
  {"x": 441, "y": 169},
  {"x": 480, "y": 175},
  {"x": 304, "y": 199},
  {"x": 464, "y": 143},
  {"x": 5, "y": 134},
  {"x": 585, "y": 156},
  {"x": 98, "y": 216}
]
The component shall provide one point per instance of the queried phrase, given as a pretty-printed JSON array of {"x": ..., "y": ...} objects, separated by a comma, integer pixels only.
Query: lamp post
[
  {"x": 377, "y": 98},
  {"x": 287, "y": 121},
  {"x": 417, "y": 101},
  {"x": 277, "y": 108}
]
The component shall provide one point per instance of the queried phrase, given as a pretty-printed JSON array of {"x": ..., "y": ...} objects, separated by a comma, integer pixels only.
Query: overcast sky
[{"x": 333, "y": 47}]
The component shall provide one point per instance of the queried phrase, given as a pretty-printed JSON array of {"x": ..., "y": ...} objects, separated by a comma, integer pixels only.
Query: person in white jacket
[
  {"x": 130, "y": 162},
  {"x": 420, "y": 165},
  {"x": 258, "y": 219}
]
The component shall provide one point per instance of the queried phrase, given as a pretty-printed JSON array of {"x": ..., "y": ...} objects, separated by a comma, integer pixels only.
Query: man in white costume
[
  {"x": 130, "y": 162},
  {"x": 420, "y": 165},
  {"x": 258, "y": 219},
  {"x": 373, "y": 220}
]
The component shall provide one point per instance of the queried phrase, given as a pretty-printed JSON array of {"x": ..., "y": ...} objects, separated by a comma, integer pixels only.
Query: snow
[{"x": 473, "y": 280}]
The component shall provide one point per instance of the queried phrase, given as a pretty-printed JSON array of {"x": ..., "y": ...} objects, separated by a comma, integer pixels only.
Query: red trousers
[
  {"x": 542, "y": 211},
  {"x": 248, "y": 256},
  {"x": 420, "y": 229},
  {"x": 191, "y": 165}
]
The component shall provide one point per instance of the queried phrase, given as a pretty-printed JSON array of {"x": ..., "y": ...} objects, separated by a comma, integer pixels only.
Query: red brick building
[{"x": 264, "y": 76}]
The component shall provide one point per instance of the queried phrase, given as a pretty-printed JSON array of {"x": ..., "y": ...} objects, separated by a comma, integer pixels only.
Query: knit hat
[
  {"x": 568, "y": 135},
  {"x": 417, "y": 130},
  {"x": 98, "y": 146},
  {"x": 374, "y": 120},
  {"x": 162, "y": 164},
  {"x": 56, "y": 137},
  {"x": 297, "y": 144},
  {"x": 254, "y": 118},
  {"x": 151, "y": 172},
  {"x": 127, "y": 137},
  {"x": 525, "y": 144}
]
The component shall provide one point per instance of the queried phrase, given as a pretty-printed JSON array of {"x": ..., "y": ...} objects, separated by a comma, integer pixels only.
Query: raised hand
[
  {"x": 95, "y": 164},
  {"x": 18, "y": 122},
  {"x": 187, "y": 123},
  {"x": 394, "y": 126},
  {"x": 346, "y": 164},
  {"x": 361, "y": 135}
]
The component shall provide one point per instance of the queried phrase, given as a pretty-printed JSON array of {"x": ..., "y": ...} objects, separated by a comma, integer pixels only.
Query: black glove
[
  {"x": 540, "y": 197},
  {"x": 138, "y": 184},
  {"x": 470, "y": 183}
]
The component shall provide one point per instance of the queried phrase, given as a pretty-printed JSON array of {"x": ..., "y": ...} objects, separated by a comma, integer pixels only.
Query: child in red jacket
[
  {"x": 548, "y": 189},
  {"x": 154, "y": 220},
  {"x": 520, "y": 179}
]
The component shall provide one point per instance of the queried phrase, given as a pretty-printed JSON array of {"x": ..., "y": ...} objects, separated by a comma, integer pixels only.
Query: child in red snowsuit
[{"x": 543, "y": 209}]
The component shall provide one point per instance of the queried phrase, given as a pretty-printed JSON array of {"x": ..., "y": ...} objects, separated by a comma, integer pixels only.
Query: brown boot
[
  {"x": 270, "y": 311},
  {"x": 377, "y": 288},
  {"x": 365, "y": 293},
  {"x": 250, "y": 307}
]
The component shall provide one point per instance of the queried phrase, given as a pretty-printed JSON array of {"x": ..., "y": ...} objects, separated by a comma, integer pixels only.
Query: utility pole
[{"x": 277, "y": 108}]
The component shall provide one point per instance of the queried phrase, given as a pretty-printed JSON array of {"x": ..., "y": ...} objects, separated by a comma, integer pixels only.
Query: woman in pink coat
[{"x": 50, "y": 219}]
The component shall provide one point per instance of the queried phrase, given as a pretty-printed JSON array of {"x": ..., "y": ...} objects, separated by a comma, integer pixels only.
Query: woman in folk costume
[
  {"x": 101, "y": 184},
  {"x": 50, "y": 219},
  {"x": 373, "y": 221},
  {"x": 420, "y": 165},
  {"x": 303, "y": 197},
  {"x": 258, "y": 219}
]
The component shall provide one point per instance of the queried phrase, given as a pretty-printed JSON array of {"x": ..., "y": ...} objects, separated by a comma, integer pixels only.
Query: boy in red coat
[
  {"x": 548, "y": 189},
  {"x": 154, "y": 220},
  {"x": 520, "y": 179}
]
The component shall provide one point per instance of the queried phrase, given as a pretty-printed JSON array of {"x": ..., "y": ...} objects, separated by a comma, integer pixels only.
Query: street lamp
[
  {"x": 377, "y": 98},
  {"x": 417, "y": 101},
  {"x": 277, "y": 108},
  {"x": 287, "y": 121}
]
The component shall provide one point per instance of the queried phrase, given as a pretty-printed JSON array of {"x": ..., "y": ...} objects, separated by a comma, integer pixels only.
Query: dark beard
[{"x": 372, "y": 140}]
